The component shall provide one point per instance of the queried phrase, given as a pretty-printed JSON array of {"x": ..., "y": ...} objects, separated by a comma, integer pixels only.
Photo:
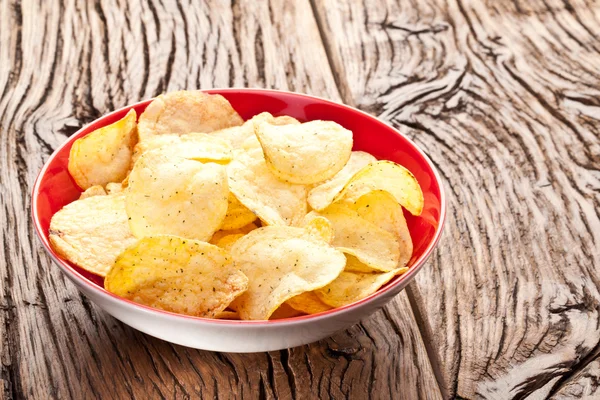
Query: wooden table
[{"x": 503, "y": 95}]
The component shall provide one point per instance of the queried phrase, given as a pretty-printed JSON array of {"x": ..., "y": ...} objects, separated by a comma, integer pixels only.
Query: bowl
[{"x": 54, "y": 188}]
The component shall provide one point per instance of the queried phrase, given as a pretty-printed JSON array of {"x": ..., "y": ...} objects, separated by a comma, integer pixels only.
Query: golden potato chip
[
  {"x": 228, "y": 314},
  {"x": 322, "y": 195},
  {"x": 274, "y": 201},
  {"x": 221, "y": 234},
  {"x": 308, "y": 303},
  {"x": 92, "y": 232},
  {"x": 281, "y": 262},
  {"x": 114, "y": 188},
  {"x": 285, "y": 311},
  {"x": 353, "y": 264},
  {"x": 104, "y": 155},
  {"x": 354, "y": 235},
  {"x": 388, "y": 176},
  {"x": 193, "y": 146},
  {"x": 238, "y": 215},
  {"x": 177, "y": 275},
  {"x": 284, "y": 120},
  {"x": 306, "y": 153},
  {"x": 96, "y": 190},
  {"x": 187, "y": 111},
  {"x": 237, "y": 135},
  {"x": 320, "y": 228},
  {"x": 380, "y": 208},
  {"x": 227, "y": 242},
  {"x": 175, "y": 196},
  {"x": 353, "y": 286}
]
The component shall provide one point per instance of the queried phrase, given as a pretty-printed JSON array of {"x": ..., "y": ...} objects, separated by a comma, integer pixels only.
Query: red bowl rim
[{"x": 77, "y": 277}]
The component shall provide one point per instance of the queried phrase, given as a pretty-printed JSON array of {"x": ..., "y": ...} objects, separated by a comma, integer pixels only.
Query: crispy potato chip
[
  {"x": 308, "y": 303},
  {"x": 380, "y": 208},
  {"x": 284, "y": 120},
  {"x": 177, "y": 275},
  {"x": 92, "y": 232},
  {"x": 306, "y": 153},
  {"x": 285, "y": 311},
  {"x": 237, "y": 135},
  {"x": 281, "y": 262},
  {"x": 228, "y": 314},
  {"x": 227, "y": 242},
  {"x": 388, "y": 176},
  {"x": 353, "y": 264},
  {"x": 355, "y": 235},
  {"x": 322, "y": 195},
  {"x": 221, "y": 234},
  {"x": 187, "y": 111},
  {"x": 96, "y": 190},
  {"x": 238, "y": 215},
  {"x": 192, "y": 146},
  {"x": 320, "y": 228},
  {"x": 104, "y": 155},
  {"x": 353, "y": 286},
  {"x": 114, "y": 188},
  {"x": 175, "y": 196},
  {"x": 274, "y": 201}
]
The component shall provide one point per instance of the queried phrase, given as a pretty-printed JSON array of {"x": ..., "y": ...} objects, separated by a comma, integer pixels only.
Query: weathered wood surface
[
  {"x": 63, "y": 64},
  {"x": 505, "y": 98}
]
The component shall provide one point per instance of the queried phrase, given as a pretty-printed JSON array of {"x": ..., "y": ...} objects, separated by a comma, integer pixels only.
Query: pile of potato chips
[{"x": 192, "y": 210}]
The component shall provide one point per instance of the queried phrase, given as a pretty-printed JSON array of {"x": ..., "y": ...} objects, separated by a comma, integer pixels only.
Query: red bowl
[{"x": 54, "y": 187}]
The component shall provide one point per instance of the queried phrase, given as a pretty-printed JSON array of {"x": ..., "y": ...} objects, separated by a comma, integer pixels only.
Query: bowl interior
[{"x": 56, "y": 188}]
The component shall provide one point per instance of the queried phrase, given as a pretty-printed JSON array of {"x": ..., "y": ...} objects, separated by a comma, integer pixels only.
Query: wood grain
[
  {"x": 64, "y": 63},
  {"x": 503, "y": 96}
]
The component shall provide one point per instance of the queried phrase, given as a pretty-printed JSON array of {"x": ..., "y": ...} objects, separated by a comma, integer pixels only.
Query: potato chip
[
  {"x": 320, "y": 228},
  {"x": 238, "y": 215},
  {"x": 175, "y": 196},
  {"x": 187, "y": 111},
  {"x": 192, "y": 146},
  {"x": 281, "y": 262},
  {"x": 285, "y": 311},
  {"x": 322, "y": 195},
  {"x": 353, "y": 286},
  {"x": 227, "y": 242},
  {"x": 177, "y": 275},
  {"x": 306, "y": 153},
  {"x": 388, "y": 176},
  {"x": 274, "y": 201},
  {"x": 308, "y": 303},
  {"x": 96, "y": 190},
  {"x": 114, "y": 188},
  {"x": 237, "y": 135},
  {"x": 353, "y": 264},
  {"x": 355, "y": 235},
  {"x": 222, "y": 233},
  {"x": 380, "y": 208},
  {"x": 104, "y": 155},
  {"x": 92, "y": 232},
  {"x": 228, "y": 314}
]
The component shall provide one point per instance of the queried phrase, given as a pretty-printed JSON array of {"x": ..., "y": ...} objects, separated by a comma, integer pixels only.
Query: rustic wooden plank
[
  {"x": 583, "y": 385},
  {"x": 503, "y": 96},
  {"x": 64, "y": 64}
]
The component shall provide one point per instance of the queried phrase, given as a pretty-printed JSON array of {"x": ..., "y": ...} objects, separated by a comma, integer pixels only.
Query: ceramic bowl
[{"x": 55, "y": 188}]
